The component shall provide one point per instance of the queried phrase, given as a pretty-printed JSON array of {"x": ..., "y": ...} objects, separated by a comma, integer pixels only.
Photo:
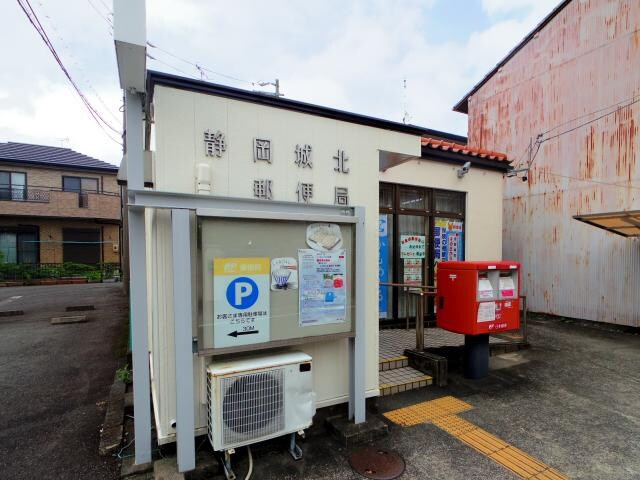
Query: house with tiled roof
[{"x": 56, "y": 206}]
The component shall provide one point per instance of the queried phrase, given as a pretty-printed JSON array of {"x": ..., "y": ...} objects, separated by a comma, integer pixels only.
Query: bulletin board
[{"x": 295, "y": 301}]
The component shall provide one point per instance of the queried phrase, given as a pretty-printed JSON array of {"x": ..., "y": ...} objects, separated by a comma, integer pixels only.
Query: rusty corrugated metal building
[{"x": 565, "y": 103}]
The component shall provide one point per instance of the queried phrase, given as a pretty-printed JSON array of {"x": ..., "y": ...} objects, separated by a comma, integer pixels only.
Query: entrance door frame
[{"x": 431, "y": 213}]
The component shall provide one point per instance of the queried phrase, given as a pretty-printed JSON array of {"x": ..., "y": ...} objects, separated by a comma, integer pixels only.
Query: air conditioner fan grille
[{"x": 252, "y": 406}]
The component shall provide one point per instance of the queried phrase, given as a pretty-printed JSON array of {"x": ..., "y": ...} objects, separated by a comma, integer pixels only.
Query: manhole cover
[{"x": 377, "y": 463}]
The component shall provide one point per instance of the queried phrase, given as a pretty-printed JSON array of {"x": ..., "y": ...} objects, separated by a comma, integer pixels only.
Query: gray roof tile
[{"x": 51, "y": 157}]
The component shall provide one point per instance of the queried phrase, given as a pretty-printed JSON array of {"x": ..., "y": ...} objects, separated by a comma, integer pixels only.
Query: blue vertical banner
[
  {"x": 448, "y": 240},
  {"x": 383, "y": 267}
]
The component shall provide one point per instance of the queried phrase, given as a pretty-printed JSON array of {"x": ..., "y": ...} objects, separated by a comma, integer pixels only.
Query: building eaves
[
  {"x": 463, "y": 105},
  {"x": 452, "y": 152},
  {"x": 184, "y": 83}
]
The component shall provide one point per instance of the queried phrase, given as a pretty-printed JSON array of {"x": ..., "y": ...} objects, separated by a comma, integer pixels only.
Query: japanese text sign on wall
[
  {"x": 240, "y": 301},
  {"x": 412, "y": 246},
  {"x": 215, "y": 143},
  {"x": 262, "y": 150}
]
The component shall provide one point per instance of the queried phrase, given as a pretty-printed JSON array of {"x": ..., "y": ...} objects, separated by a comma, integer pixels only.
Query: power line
[
  {"x": 589, "y": 114},
  {"x": 151, "y": 57},
  {"x": 540, "y": 139},
  {"x": 636, "y": 100},
  {"x": 104, "y": 17},
  {"x": 37, "y": 25},
  {"x": 201, "y": 67},
  {"x": 78, "y": 65},
  {"x": 600, "y": 182}
]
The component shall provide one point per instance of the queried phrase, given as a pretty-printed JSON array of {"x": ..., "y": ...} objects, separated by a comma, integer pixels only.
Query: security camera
[{"x": 464, "y": 170}]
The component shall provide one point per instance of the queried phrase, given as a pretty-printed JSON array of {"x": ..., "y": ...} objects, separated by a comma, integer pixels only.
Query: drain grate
[{"x": 377, "y": 463}]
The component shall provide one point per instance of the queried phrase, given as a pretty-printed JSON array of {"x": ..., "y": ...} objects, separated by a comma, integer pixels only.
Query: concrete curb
[{"x": 111, "y": 435}]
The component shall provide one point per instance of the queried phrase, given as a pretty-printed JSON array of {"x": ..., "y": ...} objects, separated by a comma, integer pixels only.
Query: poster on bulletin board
[
  {"x": 322, "y": 287},
  {"x": 448, "y": 239}
]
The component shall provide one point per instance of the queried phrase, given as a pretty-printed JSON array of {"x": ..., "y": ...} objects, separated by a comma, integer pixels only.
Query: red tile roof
[{"x": 463, "y": 149}]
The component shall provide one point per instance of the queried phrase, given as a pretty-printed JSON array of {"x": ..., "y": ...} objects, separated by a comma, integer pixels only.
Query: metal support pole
[
  {"x": 134, "y": 143},
  {"x": 420, "y": 321},
  {"x": 183, "y": 338},
  {"x": 524, "y": 318},
  {"x": 139, "y": 336},
  {"x": 357, "y": 354}
]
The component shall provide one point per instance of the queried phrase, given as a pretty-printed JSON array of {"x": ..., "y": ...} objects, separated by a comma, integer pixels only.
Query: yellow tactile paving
[
  {"x": 442, "y": 413},
  {"x": 427, "y": 411}
]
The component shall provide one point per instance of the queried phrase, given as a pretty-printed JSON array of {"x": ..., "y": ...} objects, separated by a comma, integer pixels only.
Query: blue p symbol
[{"x": 242, "y": 293}]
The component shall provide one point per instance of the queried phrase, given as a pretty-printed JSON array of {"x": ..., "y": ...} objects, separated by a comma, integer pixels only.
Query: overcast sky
[{"x": 352, "y": 55}]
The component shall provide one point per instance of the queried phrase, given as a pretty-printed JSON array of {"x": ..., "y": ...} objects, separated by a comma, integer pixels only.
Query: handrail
[
  {"x": 406, "y": 285},
  {"x": 420, "y": 291}
]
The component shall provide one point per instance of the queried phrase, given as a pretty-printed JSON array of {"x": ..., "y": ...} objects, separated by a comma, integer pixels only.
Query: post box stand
[{"x": 477, "y": 299}]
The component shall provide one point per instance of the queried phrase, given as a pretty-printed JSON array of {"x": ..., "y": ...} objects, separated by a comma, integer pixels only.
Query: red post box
[{"x": 478, "y": 298}]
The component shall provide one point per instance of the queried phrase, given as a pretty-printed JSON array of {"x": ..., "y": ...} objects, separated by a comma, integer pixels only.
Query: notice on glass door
[{"x": 322, "y": 287}]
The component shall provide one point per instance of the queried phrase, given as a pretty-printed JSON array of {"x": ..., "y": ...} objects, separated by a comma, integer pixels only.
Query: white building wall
[
  {"x": 483, "y": 188},
  {"x": 180, "y": 119}
]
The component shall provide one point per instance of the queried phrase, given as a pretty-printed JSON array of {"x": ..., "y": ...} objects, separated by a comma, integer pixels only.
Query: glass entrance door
[{"x": 418, "y": 228}]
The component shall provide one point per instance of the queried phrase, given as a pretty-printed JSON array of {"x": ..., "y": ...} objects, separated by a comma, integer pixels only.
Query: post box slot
[
  {"x": 487, "y": 285},
  {"x": 508, "y": 284}
]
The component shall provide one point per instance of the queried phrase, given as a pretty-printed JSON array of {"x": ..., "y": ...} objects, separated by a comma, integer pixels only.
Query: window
[
  {"x": 83, "y": 186},
  {"x": 81, "y": 245},
  {"x": 13, "y": 186},
  {"x": 449, "y": 202},
  {"x": 80, "y": 184},
  {"x": 19, "y": 245},
  {"x": 412, "y": 199},
  {"x": 386, "y": 196}
]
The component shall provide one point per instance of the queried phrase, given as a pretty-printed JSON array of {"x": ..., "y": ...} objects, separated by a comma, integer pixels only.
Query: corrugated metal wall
[{"x": 576, "y": 69}]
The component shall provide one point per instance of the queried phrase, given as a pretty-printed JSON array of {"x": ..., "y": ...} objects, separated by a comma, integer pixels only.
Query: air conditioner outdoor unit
[{"x": 259, "y": 397}]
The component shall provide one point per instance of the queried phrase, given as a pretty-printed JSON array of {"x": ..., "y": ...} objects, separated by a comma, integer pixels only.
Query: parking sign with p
[{"x": 240, "y": 301}]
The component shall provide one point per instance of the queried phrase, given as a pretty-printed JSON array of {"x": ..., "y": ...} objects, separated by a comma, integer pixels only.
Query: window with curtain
[
  {"x": 8, "y": 247},
  {"x": 18, "y": 246},
  {"x": 13, "y": 186}
]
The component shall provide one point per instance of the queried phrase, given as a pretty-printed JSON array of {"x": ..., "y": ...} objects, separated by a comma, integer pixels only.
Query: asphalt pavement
[
  {"x": 572, "y": 402},
  {"x": 55, "y": 380}
]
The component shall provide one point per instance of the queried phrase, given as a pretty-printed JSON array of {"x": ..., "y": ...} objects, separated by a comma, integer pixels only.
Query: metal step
[{"x": 402, "y": 379}]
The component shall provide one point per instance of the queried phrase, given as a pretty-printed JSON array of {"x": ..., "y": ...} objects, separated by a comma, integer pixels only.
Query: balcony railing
[
  {"x": 24, "y": 195},
  {"x": 47, "y": 201}
]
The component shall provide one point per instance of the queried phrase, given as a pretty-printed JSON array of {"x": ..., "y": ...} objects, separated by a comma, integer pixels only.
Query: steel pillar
[{"x": 183, "y": 338}]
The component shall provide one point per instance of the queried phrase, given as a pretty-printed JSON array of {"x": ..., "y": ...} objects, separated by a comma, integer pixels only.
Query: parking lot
[
  {"x": 571, "y": 401},
  {"x": 55, "y": 380}
]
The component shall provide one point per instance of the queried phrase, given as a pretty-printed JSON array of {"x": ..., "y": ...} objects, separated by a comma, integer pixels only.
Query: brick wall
[
  {"x": 63, "y": 204},
  {"x": 51, "y": 236},
  {"x": 52, "y": 178}
]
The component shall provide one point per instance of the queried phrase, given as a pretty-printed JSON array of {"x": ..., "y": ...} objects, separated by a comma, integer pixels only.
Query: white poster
[
  {"x": 412, "y": 271},
  {"x": 284, "y": 273},
  {"x": 487, "y": 312},
  {"x": 413, "y": 246},
  {"x": 485, "y": 289},
  {"x": 322, "y": 287},
  {"x": 240, "y": 301}
]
